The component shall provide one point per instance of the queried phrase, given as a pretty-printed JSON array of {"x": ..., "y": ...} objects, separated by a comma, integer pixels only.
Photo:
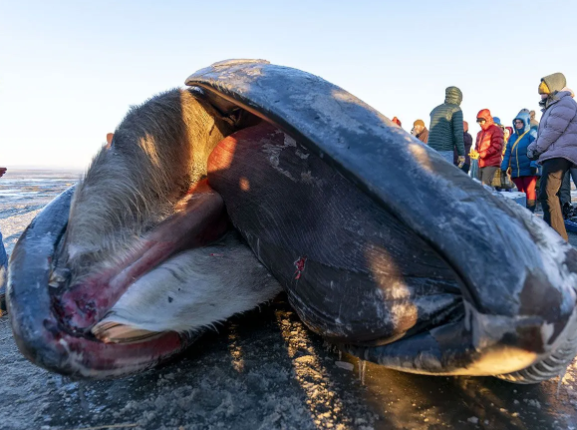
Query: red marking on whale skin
[
  {"x": 234, "y": 152},
  {"x": 300, "y": 265},
  {"x": 201, "y": 219}
]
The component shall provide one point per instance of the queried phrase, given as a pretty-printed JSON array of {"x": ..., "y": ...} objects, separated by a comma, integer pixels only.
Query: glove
[
  {"x": 532, "y": 154},
  {"x": 474, "y": 155},
  {"x": 460, "y": 161}
]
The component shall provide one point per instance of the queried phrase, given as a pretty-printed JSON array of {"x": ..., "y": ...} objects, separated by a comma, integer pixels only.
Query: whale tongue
[{"x": 200, "y": 218}]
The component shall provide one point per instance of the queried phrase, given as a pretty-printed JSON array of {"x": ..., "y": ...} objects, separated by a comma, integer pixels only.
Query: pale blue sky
[{"x": 69, "y": 70}]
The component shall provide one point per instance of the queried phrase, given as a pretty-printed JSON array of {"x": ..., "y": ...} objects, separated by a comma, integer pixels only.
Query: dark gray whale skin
[
  {"x": 503, "y": 282},
  {"x": 516, "y": 279}
]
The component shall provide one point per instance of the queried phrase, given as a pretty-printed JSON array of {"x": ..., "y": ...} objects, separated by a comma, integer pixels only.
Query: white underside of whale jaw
[{"x": 192, "y": 290}]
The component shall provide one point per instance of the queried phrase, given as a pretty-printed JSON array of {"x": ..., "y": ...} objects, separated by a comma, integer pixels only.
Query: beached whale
[{"x": 211, "y": 199}]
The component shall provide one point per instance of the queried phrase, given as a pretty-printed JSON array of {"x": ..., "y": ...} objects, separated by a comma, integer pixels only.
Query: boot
[{"x": 531, "y": 205}]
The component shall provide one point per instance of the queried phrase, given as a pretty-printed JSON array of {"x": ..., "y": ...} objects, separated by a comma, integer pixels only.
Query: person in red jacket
[{"x": 489, "y": 145}]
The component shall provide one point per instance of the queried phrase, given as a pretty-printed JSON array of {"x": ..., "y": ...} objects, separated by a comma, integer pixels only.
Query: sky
[{"x": 70, "y": 70}]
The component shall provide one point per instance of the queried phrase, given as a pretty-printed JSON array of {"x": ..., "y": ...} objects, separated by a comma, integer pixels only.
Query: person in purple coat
[{"x": 555, "y": 145}]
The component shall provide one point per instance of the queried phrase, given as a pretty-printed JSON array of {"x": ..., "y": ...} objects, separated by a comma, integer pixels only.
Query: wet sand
[{"x": 265, "y": 370}]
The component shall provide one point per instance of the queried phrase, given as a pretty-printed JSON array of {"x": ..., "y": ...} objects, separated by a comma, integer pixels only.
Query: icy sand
[{"x": 263, "y": 370}]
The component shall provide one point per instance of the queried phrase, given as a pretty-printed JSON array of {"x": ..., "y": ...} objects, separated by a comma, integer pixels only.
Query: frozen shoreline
[
  {"x": 23, "y": 193},
  {"x": 13, "y": 221}
]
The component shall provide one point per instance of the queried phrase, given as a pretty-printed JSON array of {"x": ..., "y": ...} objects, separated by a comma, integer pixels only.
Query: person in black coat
[
  {"x": 3, "y": 266},
  {"x": 468, "y": 141}
]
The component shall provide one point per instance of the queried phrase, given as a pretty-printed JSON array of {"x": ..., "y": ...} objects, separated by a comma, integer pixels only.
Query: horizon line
[{"x": 42, "y": 167}]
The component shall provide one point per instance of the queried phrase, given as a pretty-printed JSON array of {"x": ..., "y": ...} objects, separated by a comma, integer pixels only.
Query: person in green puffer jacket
[{"x": 446, "y": 129}]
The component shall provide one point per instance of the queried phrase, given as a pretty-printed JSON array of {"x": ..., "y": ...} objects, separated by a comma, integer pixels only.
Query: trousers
[{"x": 553, "y": 172}]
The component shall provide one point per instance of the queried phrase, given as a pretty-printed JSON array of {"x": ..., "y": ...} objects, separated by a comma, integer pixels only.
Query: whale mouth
[
  {"x": 65, "y": 326},
  {"x": 199, "y": 219},
  {"x": 504, "y": 296},
  {"x": 39, "y": 330}
]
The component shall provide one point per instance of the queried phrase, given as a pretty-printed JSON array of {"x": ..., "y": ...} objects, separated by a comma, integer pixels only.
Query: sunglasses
[
  {"x": 481, "y": 120},
  {"x": 519, "y": 122}
]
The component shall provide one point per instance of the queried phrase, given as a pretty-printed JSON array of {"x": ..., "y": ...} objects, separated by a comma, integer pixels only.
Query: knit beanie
[
  {"x": 419, "y": 122},
  {"x": 554, "y": 82}
]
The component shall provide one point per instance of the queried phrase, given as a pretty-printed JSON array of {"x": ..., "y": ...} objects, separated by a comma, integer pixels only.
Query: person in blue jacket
[{"x": 523, "y": 171}]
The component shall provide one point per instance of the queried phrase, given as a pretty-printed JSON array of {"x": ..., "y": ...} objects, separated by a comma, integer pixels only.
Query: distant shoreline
[{"x": 43, "y": 169}]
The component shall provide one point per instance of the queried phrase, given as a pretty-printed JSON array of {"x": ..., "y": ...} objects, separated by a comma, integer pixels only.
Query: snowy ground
[{"x": 263, "y": 370}]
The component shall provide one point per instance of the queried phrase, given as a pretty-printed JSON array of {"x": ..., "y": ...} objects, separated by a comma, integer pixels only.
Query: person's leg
[
  {"x": 474, "y": 171},
  {"x": 447, "y": 155},
  {"x": 553, "y": 172},
  {"x": 519, "y": 183},
  {"x": 492, "y": 173},
  {"x": 482, "y": 174},
  {"x": 487, "y": 174},
  {"x": 538, "y": 186},
  {"x": 3, "y": 275},
  {"x": 486, "y": 178},
  {"x": 466, "y": 168},
  {"x": 573, "y": 171},
  {"x": 530, "y": 184},
  {"x": 565, "y": 190}
]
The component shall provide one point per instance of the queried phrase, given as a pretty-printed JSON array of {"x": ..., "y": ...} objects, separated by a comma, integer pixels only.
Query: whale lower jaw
[
  {"x": 552, "y": 365},
  {"x": 508, "y": 363}
]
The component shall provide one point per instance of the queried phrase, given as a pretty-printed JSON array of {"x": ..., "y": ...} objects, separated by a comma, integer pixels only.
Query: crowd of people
[{"x": 540, "y": 158}]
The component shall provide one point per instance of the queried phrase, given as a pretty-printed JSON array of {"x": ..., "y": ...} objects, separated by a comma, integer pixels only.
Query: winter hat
[
  {"x": 397, "y": 121},
  {"x": 419, "y": 122},
  {"x": 554, "y": 82},
  {"x": 524, "y": 110},
  {"x": 497, "y": 120}
]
